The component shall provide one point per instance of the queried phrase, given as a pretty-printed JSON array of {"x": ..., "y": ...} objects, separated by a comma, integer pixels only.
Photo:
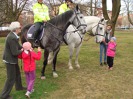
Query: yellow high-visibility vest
[
  {"x": 41, "y": 12},
  {"x": 63, "y": 8}
]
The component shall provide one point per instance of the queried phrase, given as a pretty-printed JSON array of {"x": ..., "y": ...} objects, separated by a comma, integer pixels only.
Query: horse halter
[
  {"x": 97, "y": 29},
  {"x": 78, "y": 21}
]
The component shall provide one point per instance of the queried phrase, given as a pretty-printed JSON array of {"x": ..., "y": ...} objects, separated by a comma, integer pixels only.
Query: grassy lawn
[{"x": 90, "y": 81}]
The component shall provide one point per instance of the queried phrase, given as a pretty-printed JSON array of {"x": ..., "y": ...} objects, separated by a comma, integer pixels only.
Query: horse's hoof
[
  {"x": 43, "y": 77},
  {"x": 49, "y": 62},
  {"x": 78, "y": 66},
  {"x": 55, "y": 75},
  {"x": 70, "y": 68}
]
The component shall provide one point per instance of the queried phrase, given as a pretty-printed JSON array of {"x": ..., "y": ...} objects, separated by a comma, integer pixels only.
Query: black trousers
[
  {"x": 13, "y": 77},
  {"x": 37, "y": 29},
  {"x": 110, "y": 61}
]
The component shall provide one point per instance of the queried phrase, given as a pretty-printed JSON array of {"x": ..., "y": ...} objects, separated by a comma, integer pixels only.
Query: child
[
  {"x": 111, "y": 52},
  {"x": 29, "y": 56}
]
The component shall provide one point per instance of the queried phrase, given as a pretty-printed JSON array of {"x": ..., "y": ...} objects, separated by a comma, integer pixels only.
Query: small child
[
  {"x": 111, "y": 52},
  {"x": 29, "y": 66}
]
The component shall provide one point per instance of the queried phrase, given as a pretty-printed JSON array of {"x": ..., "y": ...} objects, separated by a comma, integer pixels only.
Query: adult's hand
[{"x": 44, "y": 20}]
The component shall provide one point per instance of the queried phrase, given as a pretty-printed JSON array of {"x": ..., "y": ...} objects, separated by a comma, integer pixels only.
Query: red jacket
[{"x": 29, "y": 60}]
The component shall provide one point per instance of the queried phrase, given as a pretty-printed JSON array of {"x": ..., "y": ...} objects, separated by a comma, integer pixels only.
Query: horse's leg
[
  {"x": 71, "y": 50},
  {"x": 46, "y": 53},
  {"x": 50, "y": 58},
  {"x": 77, "y": 53},
  {"x": 54, "y": 62}
]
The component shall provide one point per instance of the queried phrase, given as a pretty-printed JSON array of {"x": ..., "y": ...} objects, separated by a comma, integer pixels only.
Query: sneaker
[
  {"x": 101, "y": 64},
  {"x": 110, "y": 68},
  {"x": 32, "y": 91},
  {"x": 27, "y": 94},
  {"x": 105, "y": 63}
]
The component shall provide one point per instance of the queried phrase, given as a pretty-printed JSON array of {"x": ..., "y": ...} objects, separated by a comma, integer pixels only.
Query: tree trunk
[
  {"x": 91, "y": 9},
  {"x": 104, "y": 8},
  {"x": 129, "y": 18},
  {"x": 116, "y": 4}
]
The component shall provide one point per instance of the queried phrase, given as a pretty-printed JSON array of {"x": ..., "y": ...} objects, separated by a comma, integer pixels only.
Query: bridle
[
  {"x": 78, "y": 21},
  {"x": 72, "y": 22},
  {"x": 97, "y": 31}
]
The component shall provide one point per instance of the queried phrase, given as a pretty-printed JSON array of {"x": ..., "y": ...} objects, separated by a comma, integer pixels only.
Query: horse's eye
[
  {"x": 101, "y": 28},
  {"x": 81, "y": 17}
]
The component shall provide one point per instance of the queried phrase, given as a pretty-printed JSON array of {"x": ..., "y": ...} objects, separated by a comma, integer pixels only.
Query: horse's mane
[{"x": 62, "y": 17}]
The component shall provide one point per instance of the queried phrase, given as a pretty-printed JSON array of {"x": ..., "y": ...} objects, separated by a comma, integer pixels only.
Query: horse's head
[
  {"x": 100, "y": 30},
  {"x": 78, "y": 20}
]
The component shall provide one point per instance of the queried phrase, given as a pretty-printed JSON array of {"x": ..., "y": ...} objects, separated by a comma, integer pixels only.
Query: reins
[
  {"x": 96, "y": 33},
  {"x": 54, "y": 26},
  {"x": 77, "y": 33},
  {"x": 61, "y": 29},
  {"x": 89, "y": 37},
  {"x": 79, "y": 24}
]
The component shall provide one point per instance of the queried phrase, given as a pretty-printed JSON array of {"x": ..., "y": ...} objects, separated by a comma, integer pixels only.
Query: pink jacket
[
  {"x": 29, "y": 60},
  {"x": 111, "y": 49}
]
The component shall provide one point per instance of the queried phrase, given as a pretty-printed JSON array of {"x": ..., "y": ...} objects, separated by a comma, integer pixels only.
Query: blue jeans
[{"x": 103, "y": 50}]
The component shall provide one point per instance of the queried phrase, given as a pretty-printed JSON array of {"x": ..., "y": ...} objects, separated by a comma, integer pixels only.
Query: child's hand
[
  {"x": 103, "y": 39},
  {"x": 39, "y": 49},
  {"x": 31, "y": 49},
  {"x": 22, "y": 49}
]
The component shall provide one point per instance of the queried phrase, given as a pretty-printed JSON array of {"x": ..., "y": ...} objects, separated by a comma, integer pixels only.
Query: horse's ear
[
  {"x": 102, "y": 19},
  {"x": 77, "y": 7}
]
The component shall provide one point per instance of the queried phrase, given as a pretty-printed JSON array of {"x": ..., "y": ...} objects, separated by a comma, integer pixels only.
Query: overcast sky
[{"x": 109, "y": 3}]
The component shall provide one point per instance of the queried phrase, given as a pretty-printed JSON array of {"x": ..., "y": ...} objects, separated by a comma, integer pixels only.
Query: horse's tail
[{"x": 23, "y": 33}]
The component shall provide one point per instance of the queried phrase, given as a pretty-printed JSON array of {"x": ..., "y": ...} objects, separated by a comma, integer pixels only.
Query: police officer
[
  {"x": 41, "y": 15},
  {"x": 65, "y": 6}
]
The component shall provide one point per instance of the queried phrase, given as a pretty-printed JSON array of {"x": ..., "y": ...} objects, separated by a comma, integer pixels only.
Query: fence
[{"x": 4, "y": 33}]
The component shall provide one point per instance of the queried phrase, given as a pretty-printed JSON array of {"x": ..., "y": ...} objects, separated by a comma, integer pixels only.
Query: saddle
[{"x": 32, "y": 30}]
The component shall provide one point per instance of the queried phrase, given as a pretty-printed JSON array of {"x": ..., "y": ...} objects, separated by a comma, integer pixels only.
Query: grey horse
[{"x": 54, "y": 31}]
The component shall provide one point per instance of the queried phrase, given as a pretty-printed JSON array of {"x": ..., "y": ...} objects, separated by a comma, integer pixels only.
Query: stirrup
[{"x": 36, "y": 43}]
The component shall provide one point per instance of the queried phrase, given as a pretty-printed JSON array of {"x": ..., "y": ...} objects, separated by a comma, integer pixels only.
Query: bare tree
[
  {"x": 116, "y": 4},
  {"x": 129, "y": 9},
  {"x": 90, "y": 7},
  {"x": 11, "y": 10}
]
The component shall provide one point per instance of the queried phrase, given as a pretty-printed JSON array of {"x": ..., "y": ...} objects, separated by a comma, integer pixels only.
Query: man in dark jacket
[{"x": 11, "y": 51}]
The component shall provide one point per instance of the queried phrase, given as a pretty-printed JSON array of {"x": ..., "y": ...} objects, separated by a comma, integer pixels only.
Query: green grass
[{"x": 90, "y": 81}]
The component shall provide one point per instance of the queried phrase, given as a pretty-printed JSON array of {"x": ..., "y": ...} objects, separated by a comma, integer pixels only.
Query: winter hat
[
  {"x": 113, "y": 38},
  {"x": 14, "y": 25},
  {"x": 27, "y": 46}
]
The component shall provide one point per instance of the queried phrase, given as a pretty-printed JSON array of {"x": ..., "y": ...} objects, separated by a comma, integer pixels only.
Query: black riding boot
[{"x": 36, "y": 34}]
